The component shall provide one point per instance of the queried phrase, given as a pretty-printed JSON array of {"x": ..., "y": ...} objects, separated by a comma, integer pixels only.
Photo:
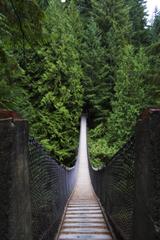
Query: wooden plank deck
[{"x": 83, "y": 217}]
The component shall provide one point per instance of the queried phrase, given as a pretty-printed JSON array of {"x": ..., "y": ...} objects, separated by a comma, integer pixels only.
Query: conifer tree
[
  {"x": 138, "y": 18},
  {"x": 84, "y": 7},
  {"x": 112, "y": 21},
  {"x": 155, "y": 28},
  {"x": 18, "y": 28},
  {"x": 93, "y": 65},
  {"x": 153, "y": 52},
  {"x": 131, "y": 96},
  {"x": 43, "y": 3},
  {"x": 55, "y": 86}
]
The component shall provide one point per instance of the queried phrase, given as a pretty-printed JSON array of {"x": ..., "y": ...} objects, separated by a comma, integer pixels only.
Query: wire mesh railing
[
  {"x": 129, "y": 185},
  {"x": 51, "y": 185},
  {"x": 114, "y": 185},
  {"x": 34, "y": 188}
]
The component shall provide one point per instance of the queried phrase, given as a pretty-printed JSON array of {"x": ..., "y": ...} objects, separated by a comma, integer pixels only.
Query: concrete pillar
[
  {"x": 147, "y": 172},
  {"x": 15, "y": 202}
]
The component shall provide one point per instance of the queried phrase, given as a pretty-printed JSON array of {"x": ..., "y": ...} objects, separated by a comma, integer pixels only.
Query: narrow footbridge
[
  {"x": 83, "y": 218},
  {"x": 43, "y": 200}
]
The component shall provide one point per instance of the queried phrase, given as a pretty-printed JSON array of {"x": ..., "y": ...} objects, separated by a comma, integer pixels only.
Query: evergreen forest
[{"x": 61, "y": 59}]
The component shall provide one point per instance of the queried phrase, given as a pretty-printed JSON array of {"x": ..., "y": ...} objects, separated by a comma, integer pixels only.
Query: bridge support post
[
  {"x": 147, "y": 170},
  {"x": 15, "y": 204}
]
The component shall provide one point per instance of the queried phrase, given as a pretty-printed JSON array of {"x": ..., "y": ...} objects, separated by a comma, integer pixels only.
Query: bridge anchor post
[
  {"x": 15, "y": 203},
  {"x": 147, "y": 170}
]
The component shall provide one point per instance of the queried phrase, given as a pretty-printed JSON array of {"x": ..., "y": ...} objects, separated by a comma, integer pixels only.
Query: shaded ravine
[{"x": 83, "y": 217}]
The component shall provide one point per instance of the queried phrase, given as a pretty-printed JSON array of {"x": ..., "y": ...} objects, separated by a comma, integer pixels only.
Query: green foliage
[
  {"x": 43, "y": 3},
  {"x": 16, "y": 27},
  {"x": 55, "y": 85},
  {"x": 155, "y": 30},
  {"x": 12, "y": 94},
  {"x": 84, "y": 7},
  {"x": 93, "y": 63},
  {"x": 153, "y": 53},
  {"x": 42, "y": 79},
  {"x": 99, "y": 150},
  {"x": 138, "y": 18},
  {"x": 24, "y": 21},
  {"x": 154, "y": 72},
  {"x": 106, "y": 31},
  {"x": 112, "y": 21},
  {"x": 131, "y": 97}
]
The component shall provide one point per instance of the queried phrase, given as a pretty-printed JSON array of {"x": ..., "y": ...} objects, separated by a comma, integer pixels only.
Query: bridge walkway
[{"x": 83, "y": 218}]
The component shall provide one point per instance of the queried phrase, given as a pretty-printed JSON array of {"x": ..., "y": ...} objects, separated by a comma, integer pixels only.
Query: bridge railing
[
  {"x": 34, "y": 188},
  {"x": 51, "y": 185},
  {"x": 129, "y": 185}
]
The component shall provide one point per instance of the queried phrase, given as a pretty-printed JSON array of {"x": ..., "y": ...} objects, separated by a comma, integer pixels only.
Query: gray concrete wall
[
  {"x": 146, "y": 176},
  {"x": 15, "y": 203}
]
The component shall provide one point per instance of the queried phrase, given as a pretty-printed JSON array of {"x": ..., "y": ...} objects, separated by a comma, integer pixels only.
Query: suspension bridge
[
  {"x": 83, "y": 218},
  {"x": 43, "y": 200}
]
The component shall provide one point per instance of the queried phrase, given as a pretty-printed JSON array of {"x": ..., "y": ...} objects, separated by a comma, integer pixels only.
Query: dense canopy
[{"x": 58, "y": 60}]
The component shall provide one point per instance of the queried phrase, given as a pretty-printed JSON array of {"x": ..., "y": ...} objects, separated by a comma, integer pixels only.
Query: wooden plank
[
  {"x": 84, "y": 212},
  {"x": 85, "y": 215},
  {"x": 84, "y": 224},
  {"x": 95, "y": 220},
  {"x": 84, "y": 236},
  {"x": 83, "y": 207},
  {"x": 85, "y": 230},
  {"x": 84, "y": 204}
]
